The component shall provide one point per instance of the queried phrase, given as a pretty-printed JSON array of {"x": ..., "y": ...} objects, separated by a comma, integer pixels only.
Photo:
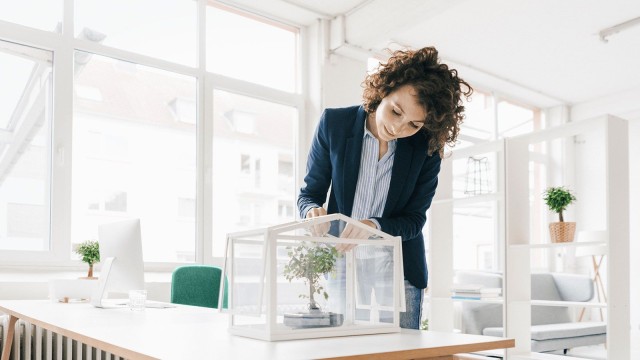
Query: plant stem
[
  {"x": 312, "y": 301},
  {"x": 561, "y": 218}
]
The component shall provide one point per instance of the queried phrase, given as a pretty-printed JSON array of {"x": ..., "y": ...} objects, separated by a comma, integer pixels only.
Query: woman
[{"x": 381, "y": 160}]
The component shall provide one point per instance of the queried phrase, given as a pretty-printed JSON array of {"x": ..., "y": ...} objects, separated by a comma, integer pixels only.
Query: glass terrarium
[{"x": 321, "y": 277}]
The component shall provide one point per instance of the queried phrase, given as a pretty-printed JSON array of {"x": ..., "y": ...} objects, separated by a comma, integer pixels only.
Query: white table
[{"x": 187, "y": 332}]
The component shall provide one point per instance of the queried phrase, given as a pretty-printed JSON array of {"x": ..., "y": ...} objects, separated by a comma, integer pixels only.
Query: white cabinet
[{"x": 599, "y": 167}]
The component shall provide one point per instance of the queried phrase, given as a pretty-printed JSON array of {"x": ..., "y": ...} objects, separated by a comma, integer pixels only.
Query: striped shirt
[{"x": 373, "y": 179}]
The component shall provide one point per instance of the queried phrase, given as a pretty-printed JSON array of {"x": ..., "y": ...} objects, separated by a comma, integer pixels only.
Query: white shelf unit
[
  {"x": 513, "y": 235},
  {"x": 441, "y": 232},
  {"x": 517, "y": 262}
]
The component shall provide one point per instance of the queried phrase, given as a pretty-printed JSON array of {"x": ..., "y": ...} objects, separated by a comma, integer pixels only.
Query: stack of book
[{"x": 474, "y": 292}]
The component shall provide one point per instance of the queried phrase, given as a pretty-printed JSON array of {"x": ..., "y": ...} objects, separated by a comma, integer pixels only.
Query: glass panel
[
  {"x": 25, "y": 147},
  {"x": 162, "y": 29},
  {"x": 134, "y": 155},
  {"x": 481, "y": 310},
  {"x": 475, "y": 236},
  {"x": 39, "y": 14},
  {"x": 252, "y": 141},
  {"x": 319, "y": 297},
  {"x": 322, "y": 272},
  {"x": 244, "y": 274},
  {"x": 251, "y": 49}
]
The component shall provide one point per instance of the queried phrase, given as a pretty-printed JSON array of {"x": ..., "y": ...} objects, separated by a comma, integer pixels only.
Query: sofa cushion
[
  {"x": 573, "y": 287},
  {"x": 541, "y": 315},
  {"x": 543, "y": 287},
  {"x": 557, "y": 331}
]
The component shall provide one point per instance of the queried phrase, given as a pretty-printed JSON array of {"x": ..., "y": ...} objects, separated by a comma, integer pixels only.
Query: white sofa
[{"x": 552, "y": 329}]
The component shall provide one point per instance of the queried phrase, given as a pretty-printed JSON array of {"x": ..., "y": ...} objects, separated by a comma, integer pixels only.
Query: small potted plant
[
  {"x": 557, "y": 199},
  {"x": 308, "y": 262},
  {"x": 90, "y": 252}
]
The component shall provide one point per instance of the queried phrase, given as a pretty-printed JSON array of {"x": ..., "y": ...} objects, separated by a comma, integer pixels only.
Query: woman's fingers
[
  {"x": 318, "y": 211},
  {"x": 349, "y": 232},
  {"x": 320, "y": 229},
  {"x": 352, "y": 232}
]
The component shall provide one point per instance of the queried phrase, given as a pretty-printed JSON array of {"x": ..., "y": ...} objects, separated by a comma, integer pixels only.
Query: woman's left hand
[{"x": 353, "y": 232}]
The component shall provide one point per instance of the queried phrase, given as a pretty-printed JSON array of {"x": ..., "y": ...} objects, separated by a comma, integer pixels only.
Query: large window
[
  {"x": 128, "y": 123},
  {"x": 252, "y": 181},
  {"x": 133, "y": 153},
  {"x": 269, "y": 61},
  {"x": 25, "y": 147},
  {"x": 40, "y": 14},
  {"x": 164, "y": 29}
]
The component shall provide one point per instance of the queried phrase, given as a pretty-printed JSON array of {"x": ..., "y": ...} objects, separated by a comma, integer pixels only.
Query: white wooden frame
[
  {"x": 272, "y": 236},
  {"x": 516, "y": 257}
]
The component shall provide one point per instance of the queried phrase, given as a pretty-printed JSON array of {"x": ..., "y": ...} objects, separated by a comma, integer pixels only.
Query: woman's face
[{"x": 399, "y": 115}]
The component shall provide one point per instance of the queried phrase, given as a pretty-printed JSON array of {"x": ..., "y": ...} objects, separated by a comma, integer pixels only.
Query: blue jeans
[{"x": 413, "y": 297}]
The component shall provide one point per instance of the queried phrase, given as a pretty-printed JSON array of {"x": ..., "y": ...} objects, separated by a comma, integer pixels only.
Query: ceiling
[{"x": 545, "y": 52}]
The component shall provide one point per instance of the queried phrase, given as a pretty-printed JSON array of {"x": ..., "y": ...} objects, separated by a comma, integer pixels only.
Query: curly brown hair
[{"x": 439, "y": 89}]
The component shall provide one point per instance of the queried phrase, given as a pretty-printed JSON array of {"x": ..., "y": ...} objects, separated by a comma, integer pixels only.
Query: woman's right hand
[{"x": 320, "y": 229}]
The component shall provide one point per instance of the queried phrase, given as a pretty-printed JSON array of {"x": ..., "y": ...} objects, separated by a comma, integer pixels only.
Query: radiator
[{"x": 31, "y": 342}]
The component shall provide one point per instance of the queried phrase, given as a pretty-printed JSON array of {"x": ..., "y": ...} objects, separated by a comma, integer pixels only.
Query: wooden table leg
[{"x": 6, "y": 347}]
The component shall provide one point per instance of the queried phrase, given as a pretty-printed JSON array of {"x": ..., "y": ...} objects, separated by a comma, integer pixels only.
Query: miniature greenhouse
[{"x": 322, "y": 277}]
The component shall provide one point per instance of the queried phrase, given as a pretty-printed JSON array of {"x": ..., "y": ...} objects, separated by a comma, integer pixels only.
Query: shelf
[
  {"x": 558, "y": 245},
  {"x": 533, "y": 302},
  {"x": 569, "y": 303},
  {"x": 484, "y": 301}
]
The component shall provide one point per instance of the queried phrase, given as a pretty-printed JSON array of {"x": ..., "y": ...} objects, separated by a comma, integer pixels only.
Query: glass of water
[{"x": 137, "y": 299}]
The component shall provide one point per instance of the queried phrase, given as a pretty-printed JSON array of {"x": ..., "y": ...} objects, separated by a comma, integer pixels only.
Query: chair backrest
[{"x": 197, "y": 285}]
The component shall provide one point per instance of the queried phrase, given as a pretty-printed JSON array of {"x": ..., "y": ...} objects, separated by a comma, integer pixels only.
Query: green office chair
[{"x": 197, "y": 285}]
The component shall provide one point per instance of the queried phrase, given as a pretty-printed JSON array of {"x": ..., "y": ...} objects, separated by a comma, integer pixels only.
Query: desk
[{"x": 188, "y": 332}]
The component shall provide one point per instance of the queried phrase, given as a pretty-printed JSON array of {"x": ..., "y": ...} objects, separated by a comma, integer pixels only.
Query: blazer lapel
[
  {"x": 351, "y": 162},
  {"x": 401, "y": 165}
]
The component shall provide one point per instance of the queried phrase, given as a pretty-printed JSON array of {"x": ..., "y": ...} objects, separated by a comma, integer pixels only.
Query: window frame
[{"x": 64, "y": 45}]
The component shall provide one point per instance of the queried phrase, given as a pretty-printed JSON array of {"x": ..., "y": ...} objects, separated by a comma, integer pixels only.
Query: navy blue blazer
[{"x": 334, "y": 161}]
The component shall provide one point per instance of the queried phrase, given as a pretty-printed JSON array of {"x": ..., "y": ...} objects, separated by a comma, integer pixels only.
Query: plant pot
[
  {"x": 562, "y": 231},
  {"x": 313, "y": 319}
]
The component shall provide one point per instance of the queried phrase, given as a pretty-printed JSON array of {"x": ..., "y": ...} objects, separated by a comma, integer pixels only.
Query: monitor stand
[{"x": 97, "y": 298}]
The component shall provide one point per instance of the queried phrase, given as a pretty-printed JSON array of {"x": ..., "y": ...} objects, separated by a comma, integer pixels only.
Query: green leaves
[
  {"x": 558, "y": 198},
  {"x": 308, "y": 261},
  {"x": 90, "y": 251}
]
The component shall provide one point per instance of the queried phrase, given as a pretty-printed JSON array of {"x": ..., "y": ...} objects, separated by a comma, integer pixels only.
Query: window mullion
[
  {"x": 61, "y": 140},
  {"x": 203, "y": 141}
]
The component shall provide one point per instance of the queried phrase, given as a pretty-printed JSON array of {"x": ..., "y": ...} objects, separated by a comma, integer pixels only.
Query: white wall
[
  {"x": 342, "y": 79},
  {"x": 634, "y": 214}
]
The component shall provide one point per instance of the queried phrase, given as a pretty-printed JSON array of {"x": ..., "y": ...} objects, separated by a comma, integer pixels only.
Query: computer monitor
[{"x": 121, "y": 256}]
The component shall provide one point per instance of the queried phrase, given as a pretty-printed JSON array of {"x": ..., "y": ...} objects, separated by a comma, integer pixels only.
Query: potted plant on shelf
[
  {"x": 557, "y": 199},
  {"x": 308, "y": 262},
  {"x": 90, "y": 252}
]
